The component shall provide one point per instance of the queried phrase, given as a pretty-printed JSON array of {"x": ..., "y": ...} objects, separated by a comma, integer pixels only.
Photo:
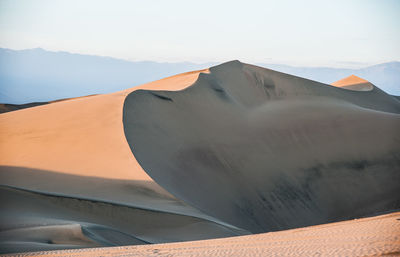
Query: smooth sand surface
[
  {"x": 375, "y": 236},
  {"x": 265, "y": 151},
  {"x": 81, "y": 136},
  {"x": 353, "y": 82}
]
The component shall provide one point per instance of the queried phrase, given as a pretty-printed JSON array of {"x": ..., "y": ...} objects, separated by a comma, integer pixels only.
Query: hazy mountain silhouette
[
  {"x": 386, "y": 76},
  {"x": 37, "y": 75}
]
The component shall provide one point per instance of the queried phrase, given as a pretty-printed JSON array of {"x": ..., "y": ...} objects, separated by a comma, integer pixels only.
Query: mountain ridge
[{"x": 38, "y": 75}]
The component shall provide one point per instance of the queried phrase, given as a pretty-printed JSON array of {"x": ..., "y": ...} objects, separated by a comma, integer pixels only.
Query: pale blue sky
[{"x": 340, "y": 33}]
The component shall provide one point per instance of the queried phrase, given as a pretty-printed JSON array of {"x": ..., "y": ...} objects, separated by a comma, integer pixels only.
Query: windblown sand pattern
[{"x": 376, "y": 236}]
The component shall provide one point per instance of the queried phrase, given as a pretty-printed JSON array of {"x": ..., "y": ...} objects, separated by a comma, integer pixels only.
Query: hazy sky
[{"x": 332, "y": 33}]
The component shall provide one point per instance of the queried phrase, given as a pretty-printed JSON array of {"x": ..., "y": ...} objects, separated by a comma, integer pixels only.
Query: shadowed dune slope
[
  {"x": 14, "y": 107},
  {"x": 266, "y": 151},
  {"x": 46, "y": 221}
]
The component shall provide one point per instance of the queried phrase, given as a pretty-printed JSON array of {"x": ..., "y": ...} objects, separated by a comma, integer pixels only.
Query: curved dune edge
[
  {"x": 77, "y": 149},
  {"x": 82, "y": 136},
  {"x": 260, "y": 149},
  {"x": 354, "y": 83},
  {"x": 374, "y": 236}
]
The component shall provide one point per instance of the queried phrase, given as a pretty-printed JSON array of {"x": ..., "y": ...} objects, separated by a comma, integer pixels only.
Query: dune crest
[
  {"x": 80, "y": 136},
  {"x": 68, "y": 164},
  {"x": 353, "y": 82},
  {"x": 264, "y": 150}
]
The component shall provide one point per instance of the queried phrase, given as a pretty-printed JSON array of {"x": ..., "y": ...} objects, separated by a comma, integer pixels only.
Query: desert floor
[{"x": 373, "y": 236}]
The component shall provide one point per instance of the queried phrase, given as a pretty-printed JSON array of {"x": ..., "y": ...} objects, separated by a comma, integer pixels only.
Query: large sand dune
[
  {"x": 233, "y": 150},
  {"x": 265, "y": 151}
]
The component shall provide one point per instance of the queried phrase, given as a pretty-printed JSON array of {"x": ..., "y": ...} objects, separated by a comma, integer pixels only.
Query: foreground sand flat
[{"x": 374, "y": 236}]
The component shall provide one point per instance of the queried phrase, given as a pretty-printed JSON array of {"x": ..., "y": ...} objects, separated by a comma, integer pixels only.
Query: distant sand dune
[
  {"x": 354, "y": 83},
  {"x": 14, "y": 107}
]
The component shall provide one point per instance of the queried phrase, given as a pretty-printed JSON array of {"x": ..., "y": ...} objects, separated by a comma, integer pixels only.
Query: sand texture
[
  {"x": 229, "y": 151},
  {"x": 376, "y": 236}
]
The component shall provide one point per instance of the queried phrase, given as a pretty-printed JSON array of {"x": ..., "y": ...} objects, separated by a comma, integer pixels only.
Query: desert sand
[
  {"x": 353, "y": 82},
  {"x": 75, "y": 151},
  {"x": 268, "y": 144},
  {"x": 13, "y": 107},
  {"x": 376, "y": 236},
  {"x": 82, "y": 136},
  {"x": 229, "y": 151}
]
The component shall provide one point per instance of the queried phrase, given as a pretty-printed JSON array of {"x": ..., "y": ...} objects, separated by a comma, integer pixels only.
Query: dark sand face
[{"x": 266, "y": 151}]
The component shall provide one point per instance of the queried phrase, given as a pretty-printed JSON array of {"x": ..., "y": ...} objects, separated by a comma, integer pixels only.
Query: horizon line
[{"x": 362, "y": 65}]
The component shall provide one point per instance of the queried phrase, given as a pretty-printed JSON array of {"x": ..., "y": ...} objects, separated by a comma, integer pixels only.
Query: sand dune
[
  {"x": 76, "y": 149},
  {"x": 229, "y": 151},
  {"x": 81, "y": 136},
  {"x": 266, "y": 151},
  {"x": 14, "y": 107},
  {"x": 353, "y": 82}
]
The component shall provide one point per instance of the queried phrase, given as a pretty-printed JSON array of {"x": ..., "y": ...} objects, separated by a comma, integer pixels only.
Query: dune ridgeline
[{"x": 232, "y": 150}]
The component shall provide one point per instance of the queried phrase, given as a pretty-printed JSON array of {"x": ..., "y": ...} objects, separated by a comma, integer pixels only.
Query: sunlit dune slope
[
  {"x": 353, "y": 82},
  {"x": 81, "y": 136}
]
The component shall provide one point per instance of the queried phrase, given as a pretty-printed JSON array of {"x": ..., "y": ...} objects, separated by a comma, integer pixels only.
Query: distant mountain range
[
  {"x": 386, "y": 76},
  {"x": 37, "y": 75}
]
